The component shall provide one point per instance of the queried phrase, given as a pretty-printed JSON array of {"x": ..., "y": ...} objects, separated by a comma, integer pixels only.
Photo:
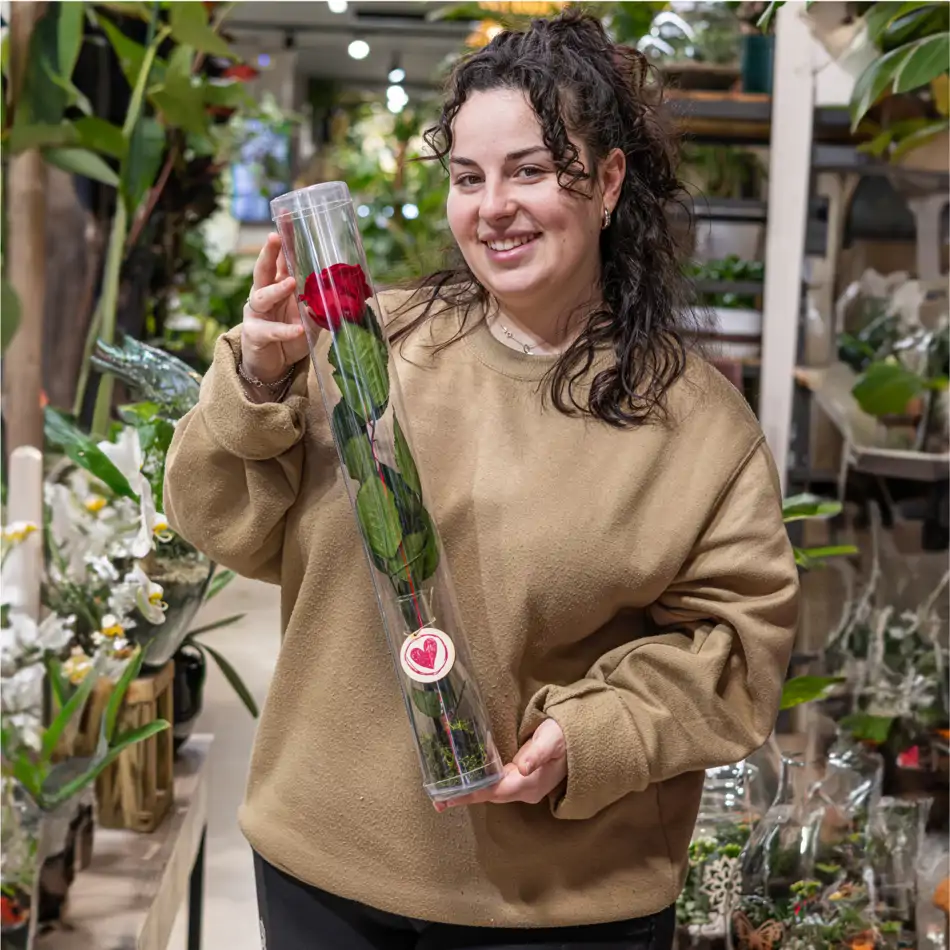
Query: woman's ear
[{"x": 612, "y": 171}]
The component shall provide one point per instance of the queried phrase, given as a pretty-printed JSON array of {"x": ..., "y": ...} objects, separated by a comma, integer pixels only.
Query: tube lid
[{"x": 314, "y": 199}]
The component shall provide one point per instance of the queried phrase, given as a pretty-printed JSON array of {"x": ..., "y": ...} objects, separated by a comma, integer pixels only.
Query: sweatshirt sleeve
[
  {"x": 234, "y": 468},
  {"x": 703, "y": 688}
]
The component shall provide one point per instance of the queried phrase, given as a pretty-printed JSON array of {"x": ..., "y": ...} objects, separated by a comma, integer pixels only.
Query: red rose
[
  {"x": 339, "y": 293},
  {"x": 241, "y": 72}
]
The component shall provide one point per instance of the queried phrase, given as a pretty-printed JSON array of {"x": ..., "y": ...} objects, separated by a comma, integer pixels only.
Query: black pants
[{"x": 295, "y": 916}]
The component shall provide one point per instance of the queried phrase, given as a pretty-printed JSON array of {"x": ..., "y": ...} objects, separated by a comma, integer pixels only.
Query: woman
[{"x": 609, "y": 509}]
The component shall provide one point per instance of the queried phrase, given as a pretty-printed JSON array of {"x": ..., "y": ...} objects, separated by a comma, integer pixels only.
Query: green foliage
[
  {"x": 806, "y": 689},
  {"x": 49, "y": 785},
  {"x": 63, "y": 434},
  {"x": 9, "y": 314}
]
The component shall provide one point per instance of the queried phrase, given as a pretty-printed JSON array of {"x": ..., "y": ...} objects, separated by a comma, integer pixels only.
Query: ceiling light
[
  {"x": 337, "y": 6},
  {"x": 397, "y": 74},
  {"x": 358, "y": 49}
]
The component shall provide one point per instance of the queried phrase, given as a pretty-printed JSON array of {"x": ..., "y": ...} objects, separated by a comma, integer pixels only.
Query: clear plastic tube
[{"x": 414, "y": 590}]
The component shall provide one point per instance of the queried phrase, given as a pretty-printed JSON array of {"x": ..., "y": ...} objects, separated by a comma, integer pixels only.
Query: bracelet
[{"x": 254, "y": 381}]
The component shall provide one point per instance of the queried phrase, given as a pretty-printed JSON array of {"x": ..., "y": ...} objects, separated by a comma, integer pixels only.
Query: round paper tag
[{"x": 428, "y": 655}]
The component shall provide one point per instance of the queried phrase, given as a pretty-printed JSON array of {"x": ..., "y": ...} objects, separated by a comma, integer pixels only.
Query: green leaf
[
  {"x": 80, "y": 161},
  {"x": 216, "y": 625},
  {"x": 143, "y": 162},
  {"x": 78, "y": 446},
  {"x": 805, "y": 506},
  {"x": 885, "y": 388},
  {"x": 355, "y": 447},
  {"x": 231, "y": 675},
  {"x": 131, "y": 55},
  {"x": 864, "y": 726},
  {"x": 873, "y": 82},
  {"x": 806, "y": 689},
  {"x": 925, "y": 60},
  {"x": 189, "y": 23},
  {"x": 72, "y": 707},
  {"x": 180, "y": 101},
  {"x": 138, "y": 11},
  {"x": 809, "y": 558},
  {"x": 40, "y": 135},
  {"x": 378, "y": 518},
  {"x": 42, "y": 100},
  {"x": 404, "y": 459},
  {"x": 427, "y": 702},
  {"x": 71, "y": 22},
  {"x": 138, "y": 413},
  {"x": 59, "y": 685},
  {"x": 881, "y": 15},
  {"x": 220, "y": 580},
  {"x": 227, "y": 95},
  {"x": 56, "y": 794},
  {"x": 101, "y": 136},
  {"x": 9, "y": 314},
  {"x": 370, "y": 317},
  {"x": 117, "y": 696},
  {"x": 406, "y": 565},
  {"x": 363, "y": 359},
  {"x": 919, "y": 137}
]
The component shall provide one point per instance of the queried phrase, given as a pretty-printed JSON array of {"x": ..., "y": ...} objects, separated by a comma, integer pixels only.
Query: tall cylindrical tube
[{"x": 414, "y": 590}]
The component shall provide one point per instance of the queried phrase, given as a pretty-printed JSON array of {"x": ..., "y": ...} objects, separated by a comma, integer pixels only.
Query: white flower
[
  {"x": 23, "y": 692},
  {"x": 18, "y": 531},
  {"x": 111, "y": 627},
  {"x": 77, "y": 666},
  {"x": 148, "y": 596},
  {"x": 55, "y": 632}
]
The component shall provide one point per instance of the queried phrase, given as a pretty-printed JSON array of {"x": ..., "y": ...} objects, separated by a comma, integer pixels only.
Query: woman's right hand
[{"x": 272, "y": 337}]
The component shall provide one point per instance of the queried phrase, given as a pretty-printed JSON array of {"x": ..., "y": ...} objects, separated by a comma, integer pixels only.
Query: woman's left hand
[{"x": 538, "y": 767}]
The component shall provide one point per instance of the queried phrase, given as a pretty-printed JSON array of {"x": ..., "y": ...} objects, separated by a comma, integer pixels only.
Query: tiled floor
[{"x": 230, "y": 921}]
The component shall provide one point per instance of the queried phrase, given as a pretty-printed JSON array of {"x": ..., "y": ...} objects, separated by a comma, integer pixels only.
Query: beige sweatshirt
[{"x": 635, "y": 585}]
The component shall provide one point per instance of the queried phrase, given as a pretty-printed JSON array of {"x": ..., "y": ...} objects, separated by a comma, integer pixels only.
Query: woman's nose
[{"x": 496, "y": 203}]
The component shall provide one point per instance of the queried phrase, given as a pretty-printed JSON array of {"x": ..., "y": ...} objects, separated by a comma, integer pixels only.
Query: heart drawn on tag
[{"x": 426, "y": 656}]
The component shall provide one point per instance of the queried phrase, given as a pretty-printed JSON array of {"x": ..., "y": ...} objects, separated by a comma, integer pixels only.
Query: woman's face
[{"x": 530, "y": 242}]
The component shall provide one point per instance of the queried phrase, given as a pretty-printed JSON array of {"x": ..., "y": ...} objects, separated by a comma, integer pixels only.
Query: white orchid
[
  {"x": 127, "y": 456},
  {"x": 148, "y": 596}
]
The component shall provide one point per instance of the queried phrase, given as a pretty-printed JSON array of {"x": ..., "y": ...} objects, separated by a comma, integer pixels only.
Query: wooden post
[{"x": 26, "y": 258}]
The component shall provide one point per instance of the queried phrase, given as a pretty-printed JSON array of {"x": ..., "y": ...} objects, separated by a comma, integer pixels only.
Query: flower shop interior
[{"x": 142, "y": 145}]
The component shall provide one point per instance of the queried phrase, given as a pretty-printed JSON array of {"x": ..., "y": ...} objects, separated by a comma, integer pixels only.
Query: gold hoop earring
[{"x": 606, "y": 223}]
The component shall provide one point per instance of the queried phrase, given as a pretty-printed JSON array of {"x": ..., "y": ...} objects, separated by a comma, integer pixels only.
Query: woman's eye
[
  {"x": 464, "y": 181},
  {"x": 529, "y": 171}
]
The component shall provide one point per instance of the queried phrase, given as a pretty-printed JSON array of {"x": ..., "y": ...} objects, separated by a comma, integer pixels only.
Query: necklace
[{"x": 514, "y": 339}]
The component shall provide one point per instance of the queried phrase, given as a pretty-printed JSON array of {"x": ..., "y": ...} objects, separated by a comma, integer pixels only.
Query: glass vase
[
  {"x": 414, "y": 591},
  {"x": 730, "y": 806},
  {"x": 804, "y": 882}
]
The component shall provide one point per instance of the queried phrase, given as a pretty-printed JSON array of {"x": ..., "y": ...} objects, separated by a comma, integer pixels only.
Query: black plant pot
[{"x": 188, "y": 687}]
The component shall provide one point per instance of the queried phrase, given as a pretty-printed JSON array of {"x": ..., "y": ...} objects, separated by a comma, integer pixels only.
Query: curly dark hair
[{"x": 607, "y": 96}]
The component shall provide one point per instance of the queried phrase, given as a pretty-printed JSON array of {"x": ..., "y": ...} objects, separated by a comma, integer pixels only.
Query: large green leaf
[
  {"x": 925, "y": 60},
  {"x": 71, "y": 22},
  {"x": 180, "y": 101},
  {"x": 101, "y": 136},
  {"x": 117, "y": 696},
  {"x": 427, "y": 702},
  {"x": 71, "y": 708},
  {"x": 139, "y": 11},
  {"x": 805, "y": 506},
  {"x": 404, "y": 459},
  {"x": 220, "y": 580},
  {"x": 144, "y": 160},
  {"x": 131, "y": 55},
  {"x": 810, "y": 558},
  {"x": 42, "y": 100},
  {"x": 919, "y": 137},
  {"x": 228, "y": 95},
  {"x": 78, "y": 446},
  {"x": 350, "y": 434},
  {"x": 55, "y": 793},
  {"x": 885, "y": 388},
  {"x": 9, "y": 314},
  {"x": 359, "y": 355},
  {"x": 874, "y": 81},
  {"x": 41, "y": 135},
  {"x": 864, "y": 726},
  {"x": 882, "y": 14},
  {"x": 232, "y": 676},
  {"x": 216, "y": 624},
  {"x": 378, "y": 518},
  {"x": 806, "y": 689},
  {"x": 357, "y": 397},
  {"x": 80, "y": 161},
  {"x": 189, "y": 23}
]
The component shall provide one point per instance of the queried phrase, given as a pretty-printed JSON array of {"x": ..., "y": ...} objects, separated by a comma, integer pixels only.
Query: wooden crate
[{"x": 136, "y": 791}]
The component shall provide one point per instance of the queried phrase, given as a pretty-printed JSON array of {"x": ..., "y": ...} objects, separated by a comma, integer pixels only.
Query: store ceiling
[{"x": 393, "y": 30}]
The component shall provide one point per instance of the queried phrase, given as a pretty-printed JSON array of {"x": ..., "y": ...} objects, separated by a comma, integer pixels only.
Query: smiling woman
[{"x": 606, "y": 501}]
